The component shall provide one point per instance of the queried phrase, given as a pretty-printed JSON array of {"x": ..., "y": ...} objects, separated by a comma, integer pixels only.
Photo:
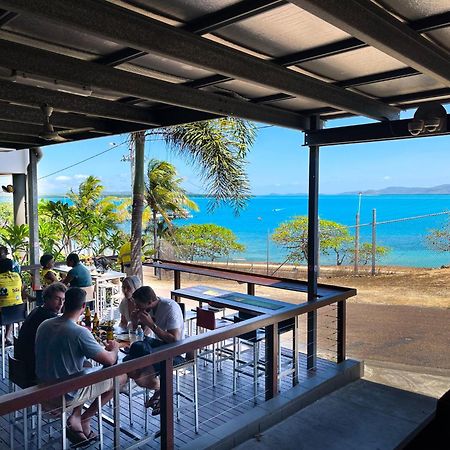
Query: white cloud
[
  {"x": 80, "y": 176},
  {"x": 387, "y": 177},
  {"x": 62, "y": 178}
]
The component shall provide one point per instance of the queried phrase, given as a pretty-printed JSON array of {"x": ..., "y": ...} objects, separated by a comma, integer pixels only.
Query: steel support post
[
  {"x": 176, "y": 283},
  {"x": 313, "y": 245},
  {"x": 32, "y": 211},
  {"x": 374, "y": 240},
  {"x": 19, "y": 195}
]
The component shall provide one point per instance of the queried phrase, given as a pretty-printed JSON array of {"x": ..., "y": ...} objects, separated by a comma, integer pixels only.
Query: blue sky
[{"x": 278, "y": 163}]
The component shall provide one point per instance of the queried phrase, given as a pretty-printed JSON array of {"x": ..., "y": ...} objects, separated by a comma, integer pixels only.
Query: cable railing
[{"x": 9, "y": 403}]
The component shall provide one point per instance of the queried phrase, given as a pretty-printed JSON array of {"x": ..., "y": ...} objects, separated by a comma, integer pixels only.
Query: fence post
[
  {"x": 355, "y": 268},
  {"x": 374, "y": 239}
]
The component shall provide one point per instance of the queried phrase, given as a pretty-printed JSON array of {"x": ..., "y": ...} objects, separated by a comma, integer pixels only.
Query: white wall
[{"x": 13, "y": 162}]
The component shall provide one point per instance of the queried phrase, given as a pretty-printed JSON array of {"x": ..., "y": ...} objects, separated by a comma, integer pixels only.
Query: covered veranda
[{"x": 110, "y": 67}]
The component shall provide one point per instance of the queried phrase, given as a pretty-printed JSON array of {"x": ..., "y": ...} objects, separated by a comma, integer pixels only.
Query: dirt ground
[{"x": 390, "y": 286}]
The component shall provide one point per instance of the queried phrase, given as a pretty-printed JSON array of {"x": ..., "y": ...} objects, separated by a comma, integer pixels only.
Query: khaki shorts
[{"x": 90, "y": 393}]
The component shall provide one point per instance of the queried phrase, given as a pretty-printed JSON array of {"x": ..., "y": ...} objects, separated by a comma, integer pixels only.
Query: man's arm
[
  {"x": 68, "y": 278},
  {"x": 166, "y": 336},
  {"x": 108, "y": 357}
]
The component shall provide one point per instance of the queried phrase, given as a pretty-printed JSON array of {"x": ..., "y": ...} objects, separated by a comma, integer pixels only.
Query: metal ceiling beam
[
  {"x": 143, "y": 33},
  {"x": 21, "y": 140},
  {"x": 24, "y": 114},
  {"x": 231, "y": 14},
  {"x": 385, "y": 131},
  {"x": 6, "y": 16},
  {"x": 374, "y": 25},
  {"x": 24, "y": 129},
  {"x": 84, "y": 73},
  {"x": 431, "y": 23},
  {"x": 34, "y": 96},
  {"x": 202, "y": 25}
]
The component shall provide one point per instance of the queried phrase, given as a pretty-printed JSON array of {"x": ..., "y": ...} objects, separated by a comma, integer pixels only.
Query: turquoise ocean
[{"x": 406, "y": 238}]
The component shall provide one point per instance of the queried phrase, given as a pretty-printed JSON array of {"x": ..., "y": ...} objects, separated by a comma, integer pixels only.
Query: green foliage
[
  {"x": 365, "y": 253},
  {"x": 15, "y": 237},
  {"x": 90, "y": 223},
  {"x": 218, "y": 148},
  {"x": 205, "y": 241},
  {"x": 165, "y": 196},
  {"x": 293, "y": 236},
  {"x": 6, "y": 214},
  {"x": 439, "y": 239}
]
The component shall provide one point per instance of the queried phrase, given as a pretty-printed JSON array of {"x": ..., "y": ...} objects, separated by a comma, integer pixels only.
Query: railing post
[
  {"x": 251, "y": 288},
  {"x": 341, "y": 330},
  {"x": 166, "y": 401},
  {"x": 271, "y": 361},
  {"x": 116, "y": 387},
  {"x": 176, "y": 283}
]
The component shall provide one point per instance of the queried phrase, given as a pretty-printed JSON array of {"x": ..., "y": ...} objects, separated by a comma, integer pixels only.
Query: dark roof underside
[{"x": 120, "y": 66}]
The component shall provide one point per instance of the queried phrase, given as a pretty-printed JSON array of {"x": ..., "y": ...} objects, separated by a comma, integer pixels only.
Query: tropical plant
[
  {"x": 365, "y": 253},
  {"x": 205, "y": 241},
  {"x": 218, "y": 148},
  {"x": 165, "y": 196},
  {"x": 89, "y": 223},
  {"x": 15, "y": 237},
  {"x": 293, "y": 236},
  {"x": 138, "y": 204},
  {"x": 439, "y": 239},
  {"x": 335, "y": 238},
  {"x": 6, "y": 214}
]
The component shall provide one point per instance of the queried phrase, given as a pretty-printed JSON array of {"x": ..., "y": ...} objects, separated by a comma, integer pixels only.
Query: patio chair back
[{"x": 206, "y": 319}]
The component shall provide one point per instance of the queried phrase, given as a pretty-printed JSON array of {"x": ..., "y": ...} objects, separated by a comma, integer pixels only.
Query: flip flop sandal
[
  {"x": 92, "y": 436},
  {"x": 153, "y": 400},
  {"x": 78, "y": 438},
  {"x": 156, "y": 409}
]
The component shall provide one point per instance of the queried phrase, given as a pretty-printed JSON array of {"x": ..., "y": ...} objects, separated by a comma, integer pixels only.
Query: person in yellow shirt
[
  {"x": 48, "y": 275},
  {"x": 124, "y": 257},
  {"x": 10, "y": 290}
]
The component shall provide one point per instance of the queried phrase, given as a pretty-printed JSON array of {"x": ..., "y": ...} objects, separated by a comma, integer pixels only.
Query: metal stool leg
[
  {"x": 194, "y": 372},
  {"x": 100, "y": 421},
  {"x": 64, "y": 424}
]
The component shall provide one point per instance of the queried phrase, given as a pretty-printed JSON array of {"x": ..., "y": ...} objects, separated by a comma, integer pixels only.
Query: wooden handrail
[
  {"x": 324, "y": 290},
  {"x": 37, "y": 394}
]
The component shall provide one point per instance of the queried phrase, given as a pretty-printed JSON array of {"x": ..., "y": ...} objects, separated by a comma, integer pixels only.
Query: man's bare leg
[{"x": 85, "y": 420}]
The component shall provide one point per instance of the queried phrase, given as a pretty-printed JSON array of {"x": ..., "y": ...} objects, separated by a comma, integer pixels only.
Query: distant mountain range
[{"x": 396, "y": 190}]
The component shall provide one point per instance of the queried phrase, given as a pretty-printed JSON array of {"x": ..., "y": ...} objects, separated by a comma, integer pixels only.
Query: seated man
[
  {"x": 166, "y": 322},
  {"x": 53, "y": 296},
  {"x": 10, "y": 291},
  {"x": 79, "y": 275},
  {"x": 62, "y": 348}
]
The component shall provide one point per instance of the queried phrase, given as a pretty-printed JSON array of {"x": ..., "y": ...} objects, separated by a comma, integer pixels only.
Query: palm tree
[
  {"x": 164, "y": 195},
  {"x": 218, "y": 148}
]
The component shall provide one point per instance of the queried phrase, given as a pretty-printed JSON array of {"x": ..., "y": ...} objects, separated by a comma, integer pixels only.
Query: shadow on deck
[{"x": 225, "y": 418}]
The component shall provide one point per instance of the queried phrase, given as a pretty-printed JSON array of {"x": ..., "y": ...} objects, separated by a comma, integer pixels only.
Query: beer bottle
[
  {"x": 87, "y": 317},
  {"x": 95, "y": 322},
  {"x": 110, "y": 334}
]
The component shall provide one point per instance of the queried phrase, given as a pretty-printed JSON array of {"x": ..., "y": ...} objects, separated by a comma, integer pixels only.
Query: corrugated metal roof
[{"x": 158, "y": 62}]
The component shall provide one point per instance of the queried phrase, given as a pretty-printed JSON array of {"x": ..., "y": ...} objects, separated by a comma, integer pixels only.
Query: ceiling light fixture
[
  {"x": 429, "y": 118},
  {"x": 55, "y": 85}
]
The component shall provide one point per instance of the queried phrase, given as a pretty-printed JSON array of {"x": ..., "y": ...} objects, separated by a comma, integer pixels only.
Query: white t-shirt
[{"x": 168, "y": 316}]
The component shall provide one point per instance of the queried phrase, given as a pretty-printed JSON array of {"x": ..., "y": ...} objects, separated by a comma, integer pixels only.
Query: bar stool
[
  {"x": 190, "y": 363},
  {"x": 253, "y": 340},
  {"x": 189, "y": 318},
  {"x": 10, "y": 315},
  {"x": 219, "y": 352},
  {"x": 17, "y": 377}
]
